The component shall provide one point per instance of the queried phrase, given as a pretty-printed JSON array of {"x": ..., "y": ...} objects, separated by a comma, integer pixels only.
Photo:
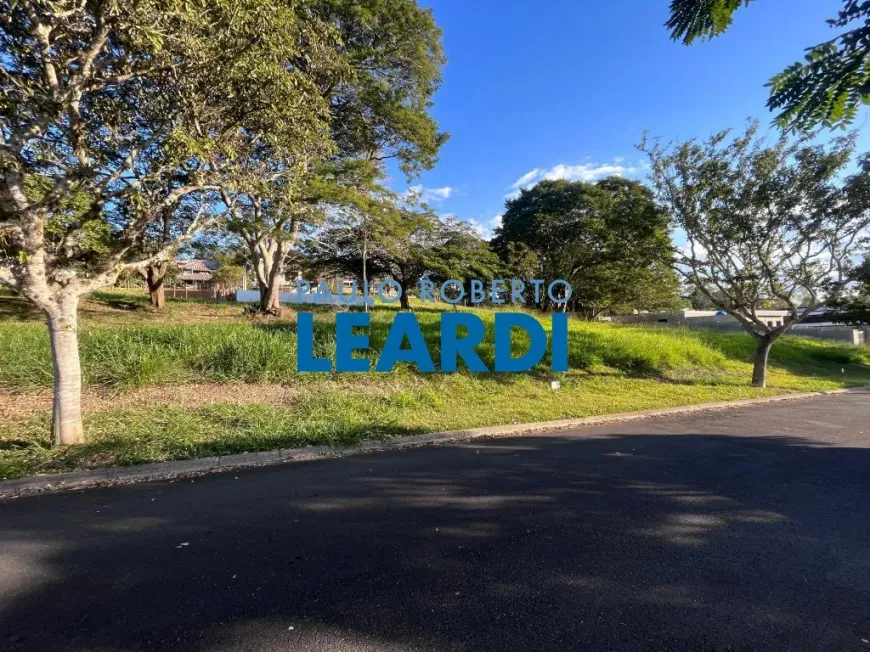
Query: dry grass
[
  {"x": 115, "y": 307},
  {"x": 17, "y": 406}
]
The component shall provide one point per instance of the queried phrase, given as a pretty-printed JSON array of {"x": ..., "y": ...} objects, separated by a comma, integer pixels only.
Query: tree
[
  {"x": 697, "y": 299},
  {"x": 112, "y": 113},
  {"x": 399, "y": 241},
  {"x": 365, "y": 211},
  {"x": 607, "y": 239},
  {"x": 166, "y": 233},
  {"x": 379, "y": 109},
  {"x": 764, "y": 222},
  {"x": 268, "y": 220},
  {"x": 228, "y": 275},
  {"x": 461, "y": 254},
  {"x": 827, "y": 89},
  {"x": 404, "y": 250},
  {"x": 386, "y": 240}
]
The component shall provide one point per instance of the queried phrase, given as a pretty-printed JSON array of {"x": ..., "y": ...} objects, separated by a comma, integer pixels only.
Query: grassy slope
[{"x": 125, "y": 345}]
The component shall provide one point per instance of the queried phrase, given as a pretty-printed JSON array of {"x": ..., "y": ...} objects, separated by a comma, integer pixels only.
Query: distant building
[
  {"x": 702, "y": 318},
  {"x": 821, "y": 323},
  {"x": 822, "y": 316},
  {"x": 195, "y": 272}
]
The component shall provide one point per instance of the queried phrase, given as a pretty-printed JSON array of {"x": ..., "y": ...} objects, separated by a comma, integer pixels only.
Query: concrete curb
[{"x": 202, "y": 466}]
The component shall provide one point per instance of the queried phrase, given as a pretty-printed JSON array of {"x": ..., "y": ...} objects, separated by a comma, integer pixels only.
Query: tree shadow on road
[{"x": 629, "y": 541}]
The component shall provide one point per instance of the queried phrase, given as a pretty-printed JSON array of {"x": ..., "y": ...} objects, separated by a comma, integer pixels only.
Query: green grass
[
  {"x": 341, "y": 416},
  {"x": 612, "y": 369},
  {"x": 136, "y": 356}
]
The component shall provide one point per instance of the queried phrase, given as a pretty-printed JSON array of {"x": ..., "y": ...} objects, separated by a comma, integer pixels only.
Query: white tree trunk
[
  {"x": 269, "y": 258},
  {"x": 66, "y": 419}
]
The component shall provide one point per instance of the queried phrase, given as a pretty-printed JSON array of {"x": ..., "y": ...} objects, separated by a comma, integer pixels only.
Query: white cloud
[
  {"x": 583, "y": 172},
  {"x": 486, "y": 229},
  {"x": 430, "y": 194},
  {"x": 588, "y": 171},
  {"x": 527, "y": 178},
  {"x": 440, "y": 193}
]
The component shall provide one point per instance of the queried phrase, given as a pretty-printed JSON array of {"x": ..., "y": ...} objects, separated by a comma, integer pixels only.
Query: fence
[
  {"x": 838, "y": 333},
  {"x": 213, "y": 294}
]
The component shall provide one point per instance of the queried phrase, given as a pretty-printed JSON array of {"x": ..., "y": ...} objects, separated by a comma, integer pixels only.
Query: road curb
[{"x": 206, "y": 465}]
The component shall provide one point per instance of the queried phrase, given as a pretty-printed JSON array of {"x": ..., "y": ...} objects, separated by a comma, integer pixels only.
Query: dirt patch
[{"x": 15, "y": 406}]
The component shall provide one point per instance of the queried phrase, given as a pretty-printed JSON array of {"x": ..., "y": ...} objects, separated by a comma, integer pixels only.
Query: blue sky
[{"x": 566, "y": 87}]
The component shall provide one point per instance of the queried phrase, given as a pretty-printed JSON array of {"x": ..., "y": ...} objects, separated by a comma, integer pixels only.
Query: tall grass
[
  {"x": 613, "y": 368},
  {"x": 135, "y": 356}
]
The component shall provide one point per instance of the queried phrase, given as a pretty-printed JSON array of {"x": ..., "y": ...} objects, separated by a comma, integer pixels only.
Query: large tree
[
  {"x": 827, "y": 88},
  {"x": 363, "y": 214},
  {"x": 375, "y": 241},
  {"x": 160, "y": 240},
  {"x": 764, "y": 222},
  {"x": 266, "y": 211},
  {"x": 391, "y": 239},
  {"x": 461, "y": 254},
  {"x": 111, "y": 113},
  {"x": 608, "y": 239},
  {"x": 379, "y": 110}
]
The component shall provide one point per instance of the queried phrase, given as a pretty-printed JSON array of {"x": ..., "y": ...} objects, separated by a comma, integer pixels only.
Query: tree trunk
[
  {"x": 154, "y": 276},
  {"x": 759, "y": 371},
  {"x": 269, "y": 297},
  {"x": 269, "y": 264},
  {"x": 404, "y": 302},
  {"x": 365, "y": 278},
  {"x": 66, "y": 418}
]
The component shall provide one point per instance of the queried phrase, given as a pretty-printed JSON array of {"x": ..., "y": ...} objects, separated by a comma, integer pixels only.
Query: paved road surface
[{"x": 741, "y": 530}]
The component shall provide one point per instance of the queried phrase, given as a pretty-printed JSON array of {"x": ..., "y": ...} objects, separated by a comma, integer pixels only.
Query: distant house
[{"x": 195, "y": 272}]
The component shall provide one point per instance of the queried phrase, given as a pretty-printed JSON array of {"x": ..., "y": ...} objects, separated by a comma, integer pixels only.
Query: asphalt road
[{"x": 746, "y": 529}]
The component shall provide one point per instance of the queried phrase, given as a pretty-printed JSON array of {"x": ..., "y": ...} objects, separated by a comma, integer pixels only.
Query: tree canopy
[
  {"x": 765, "y": 223},
  {"x": 378, "y": 106},
  {"x": 125, "y": 128},
  {"x": 608, "y": 239},
  {"x": 392, "y": 239},
  {"x": 137, "y": 106},
  {"x": 827, "y": 88}
]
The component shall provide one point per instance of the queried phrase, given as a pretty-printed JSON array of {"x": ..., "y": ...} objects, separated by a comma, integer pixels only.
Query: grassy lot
[{"x": 204, "y": 378}]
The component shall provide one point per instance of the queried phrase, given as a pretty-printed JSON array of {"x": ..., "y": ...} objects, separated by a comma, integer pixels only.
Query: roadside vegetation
[
  {"x": 261, "y": 130},
  {"x": 204, "y": 378}
]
